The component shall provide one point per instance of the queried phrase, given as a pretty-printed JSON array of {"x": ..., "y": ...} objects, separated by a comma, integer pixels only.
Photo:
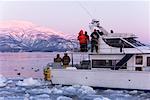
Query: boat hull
[{"x": 102, "y": 78}]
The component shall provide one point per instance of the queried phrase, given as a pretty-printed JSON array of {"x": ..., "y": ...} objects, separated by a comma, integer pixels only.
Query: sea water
[{"x": 18, "y": 70}]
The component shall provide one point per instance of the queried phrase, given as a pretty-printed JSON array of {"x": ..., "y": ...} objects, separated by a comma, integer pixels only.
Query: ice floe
[
  {"x": 64, "y": 98},
  {"x": 3, "y": 84},
  {"x": 40, "y": 91},
  {"x": 29, "y": 82},
  {"x": 2, "y": 81},
  {"x": 93, "y": 97},
  {"x": 133, "y": 92},
  {"x": 70, "y": 90},
  {"x": 21, "y": 90},
  {"x": 86, "y": 90},
  {"x": 56, "y": 91},
  {"x": 42, "y": 97},
  {"x": 101, "y": 99},
  {"x": 73, "y": 90},
  {"x": 2, "y": 98}
]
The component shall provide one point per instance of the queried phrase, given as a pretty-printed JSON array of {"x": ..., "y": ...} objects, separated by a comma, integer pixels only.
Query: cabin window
[
  {"x": 103, "y": 63},
  {"x": 148, "y": 61},
  {"x": 134, "y": 42},
  {"x": 116, "y": 42},
  {"x": 138, "y": 68},
  {"x": 139, "y": 60},
  {"x": 98, "y": 63}
]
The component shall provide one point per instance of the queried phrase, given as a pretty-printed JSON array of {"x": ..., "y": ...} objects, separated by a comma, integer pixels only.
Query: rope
[{"x": 86, "y": 10}]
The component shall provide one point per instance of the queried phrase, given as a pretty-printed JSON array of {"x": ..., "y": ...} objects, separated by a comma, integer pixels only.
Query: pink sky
[{"x": 131, "y": 16}]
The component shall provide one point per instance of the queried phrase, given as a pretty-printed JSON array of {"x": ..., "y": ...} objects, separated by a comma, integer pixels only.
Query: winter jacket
[
  {"x": 66, "y": 60},
  {"x": 58, "y": 60},
  {"x": 94, "y": 37},
  {"x": 82, "y": 38}
]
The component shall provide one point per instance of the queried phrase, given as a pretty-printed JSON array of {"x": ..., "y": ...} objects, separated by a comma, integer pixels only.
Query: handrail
[{"x": 131, "y": 44}]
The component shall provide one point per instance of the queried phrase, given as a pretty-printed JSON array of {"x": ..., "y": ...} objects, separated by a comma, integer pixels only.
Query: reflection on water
[{"x": 24, "y": 63}]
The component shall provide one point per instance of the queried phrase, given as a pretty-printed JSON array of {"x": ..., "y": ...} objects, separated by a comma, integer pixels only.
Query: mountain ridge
[{"x": 18, "y": 36}]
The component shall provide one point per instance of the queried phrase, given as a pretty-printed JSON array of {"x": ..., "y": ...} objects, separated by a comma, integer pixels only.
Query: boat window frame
[
  {"x": 117, "y": 42},
  {"x": 95, "y": 60},
  {"x": 140, "y": 61},
  {"x": 107, "y": 63},
  {"x": 148, "y": 61},
  {"x": 134, "y": 42}
]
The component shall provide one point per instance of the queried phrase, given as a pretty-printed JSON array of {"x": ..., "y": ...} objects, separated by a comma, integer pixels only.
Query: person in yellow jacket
[
  {"x": 66, "y": 60},
  {"x": 47, "y": 74}
]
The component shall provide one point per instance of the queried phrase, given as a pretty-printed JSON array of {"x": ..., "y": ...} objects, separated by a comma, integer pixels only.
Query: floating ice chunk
[
  {"x": 2, "y": 98},
  {"x": 29, "y": 82},
  {"x": 127, "y": 95},
  {"x": 3, "y": 84},
  {"x": 97, "y": 99},
  {"x": 43, "y": 96},
  {"x": 69, "y": 90},
  {"x": 76, "y": 86},
  {"x": 101, "y": 98},
  {"x": 26, "y": 96},
  {"x": 77, "y": 90},
  {"x": 133, "y": 92},
  {"x": 56, "y": 91},
  {"x": 38, "y": 91},
  {"x": 109, "y": 91},
  {"x": 58, "y": 86},
  {"x": 40, "y": 97},
  {"x": 119, "y": 92},
  {"x": 93, "y": 97},
  {"x": 104, "y": 98},
  {"x": 63, "y": 98},
  {"x": 10, "y": 82},
  {"x": 86, "y": 90},
  {"x": 2, "y": 81},
  {"x": 143, "y": 94},
  {"x": 5, "y": 92}
]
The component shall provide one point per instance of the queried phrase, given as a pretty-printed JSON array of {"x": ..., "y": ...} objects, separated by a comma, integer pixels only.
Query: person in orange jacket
[{"x": 83, "y": 40}]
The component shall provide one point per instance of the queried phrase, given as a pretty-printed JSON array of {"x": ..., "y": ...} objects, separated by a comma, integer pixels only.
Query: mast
[{"x": 96, "y": 25}]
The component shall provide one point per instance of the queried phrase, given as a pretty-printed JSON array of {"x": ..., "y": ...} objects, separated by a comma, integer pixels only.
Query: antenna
[{"x": 86, "y": 10}]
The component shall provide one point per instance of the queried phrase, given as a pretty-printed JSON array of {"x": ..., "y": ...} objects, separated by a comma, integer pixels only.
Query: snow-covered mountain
[{"x": 25, "y": 36}]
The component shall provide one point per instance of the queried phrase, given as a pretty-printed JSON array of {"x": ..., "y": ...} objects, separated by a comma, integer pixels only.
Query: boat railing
[
  {"x": 131, "y": 45},
  {"x": 89, "y": 67},
  {"x": 110, "y": 50},
  {"x": 124, "y": 35}
]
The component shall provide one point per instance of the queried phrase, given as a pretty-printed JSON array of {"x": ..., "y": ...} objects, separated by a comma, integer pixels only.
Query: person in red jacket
[{"x": 83, "y": 41}]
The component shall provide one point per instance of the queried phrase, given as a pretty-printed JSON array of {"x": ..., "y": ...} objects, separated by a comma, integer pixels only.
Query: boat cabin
[
  {"x": 134, "y": 62},
  {"x": 118, "y": 51}
]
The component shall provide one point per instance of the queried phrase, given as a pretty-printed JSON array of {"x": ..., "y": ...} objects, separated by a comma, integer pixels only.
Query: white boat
[{"x": 122, "y": 62}]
